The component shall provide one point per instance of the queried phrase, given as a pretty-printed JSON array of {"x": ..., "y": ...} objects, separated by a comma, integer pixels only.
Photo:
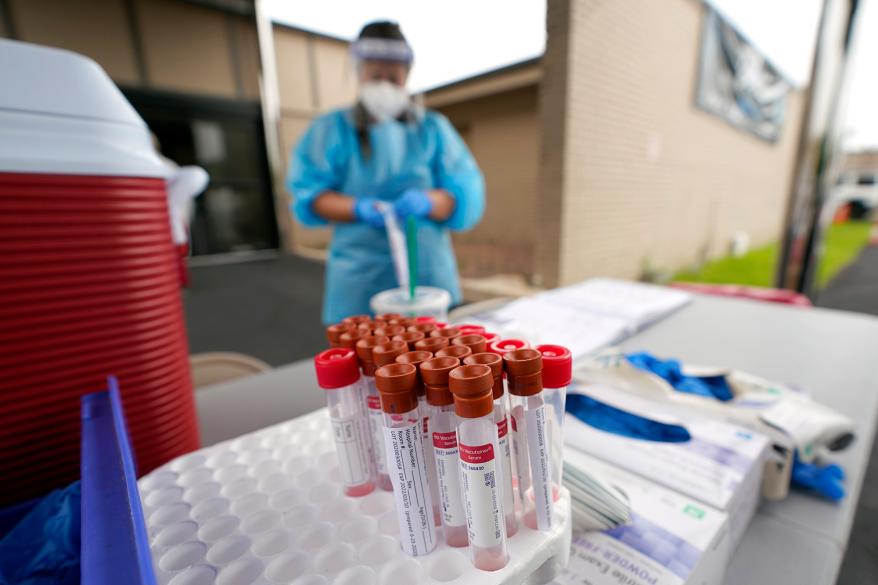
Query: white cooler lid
[{"x": 60, "y": 113}]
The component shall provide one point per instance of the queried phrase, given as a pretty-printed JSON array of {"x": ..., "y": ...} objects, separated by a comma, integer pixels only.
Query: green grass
[{"x": 756, "y": 268}]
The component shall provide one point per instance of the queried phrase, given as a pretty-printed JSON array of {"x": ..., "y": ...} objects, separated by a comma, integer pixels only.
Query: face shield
[{"x": 382, "y": 68}]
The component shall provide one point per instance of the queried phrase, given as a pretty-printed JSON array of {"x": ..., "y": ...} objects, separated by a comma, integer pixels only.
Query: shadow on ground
[{"x": 269, "y": 309}]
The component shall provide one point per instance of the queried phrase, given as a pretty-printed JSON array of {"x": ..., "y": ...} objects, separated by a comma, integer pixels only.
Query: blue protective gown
[{"x": 426, "y": 153}]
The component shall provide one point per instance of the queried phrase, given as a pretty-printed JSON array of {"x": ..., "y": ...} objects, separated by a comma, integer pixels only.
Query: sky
[{"x": 455, "y": 39}]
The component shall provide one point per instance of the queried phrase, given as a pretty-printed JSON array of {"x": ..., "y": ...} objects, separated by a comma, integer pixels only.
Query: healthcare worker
[{"x": 384, "y": 148}]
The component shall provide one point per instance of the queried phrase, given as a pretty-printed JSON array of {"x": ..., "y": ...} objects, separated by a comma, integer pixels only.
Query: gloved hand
[
  {"x": 365, "y": 211},
  {"x": 413, "y": 203}
]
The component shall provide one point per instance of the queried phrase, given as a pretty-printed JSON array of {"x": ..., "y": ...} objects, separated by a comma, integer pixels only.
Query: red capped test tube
[
  {"x": 338, "y": 373},
  {"x": 557, "y": 375},
  {"x": 524, "y": 369},
  {"x": 406, "y": 462},
  {"x": 443, "y": 430},
  {"x": 478, "y": 446},
  {"x": 501, "y": 419}
]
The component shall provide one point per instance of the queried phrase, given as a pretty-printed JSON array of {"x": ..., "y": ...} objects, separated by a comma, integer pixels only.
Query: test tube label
[
  {"x": 505, "y": 465},
  {"x": 448, "y": 472},
  {"x": 540, "y": 467},
  {"x": 484, "y": 518},
  {"x": 353, "y": 452},
  {"x": 519, "y": 451},
  {"x": 408, "y": 472},
  {"x": 376, "y": 427}
]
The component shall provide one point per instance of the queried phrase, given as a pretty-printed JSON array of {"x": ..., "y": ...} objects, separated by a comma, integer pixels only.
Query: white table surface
[{"x": 833, "y": 354}]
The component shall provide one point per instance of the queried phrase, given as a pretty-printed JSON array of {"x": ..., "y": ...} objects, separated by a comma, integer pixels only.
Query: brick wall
[{"x": 636, "y": 174}]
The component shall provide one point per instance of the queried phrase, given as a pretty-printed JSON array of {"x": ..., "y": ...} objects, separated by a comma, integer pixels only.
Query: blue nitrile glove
[
  {"x": 824, "y": 480},
  {"x": 670, "y": 370},
  {"x": 365, "y": 211},
  {"x": 44, "y": 547},
  {"x": 413, "y": 203},
  {"x": 619, "y": 422}
]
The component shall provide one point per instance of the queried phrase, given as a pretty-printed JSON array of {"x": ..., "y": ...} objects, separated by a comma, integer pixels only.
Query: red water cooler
[{"x": 88, "y": 275}]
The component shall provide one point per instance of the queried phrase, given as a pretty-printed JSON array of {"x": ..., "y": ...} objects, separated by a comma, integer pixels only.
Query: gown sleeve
[
  {"x": 315, "y": 167},
  {"x": 456, "y": 171}
]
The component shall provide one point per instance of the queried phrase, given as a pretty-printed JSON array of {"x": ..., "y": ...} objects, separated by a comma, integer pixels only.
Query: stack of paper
[{"x": 584, "y": 317}]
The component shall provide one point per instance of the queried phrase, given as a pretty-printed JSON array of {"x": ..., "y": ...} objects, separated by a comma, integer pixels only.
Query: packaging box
[
  {"x": 671, "y": 539},
  {"x": 721, "y": 466}
]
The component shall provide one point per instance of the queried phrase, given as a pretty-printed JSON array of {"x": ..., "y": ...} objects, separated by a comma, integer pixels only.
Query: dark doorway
[{"x": 236, "y": 212}]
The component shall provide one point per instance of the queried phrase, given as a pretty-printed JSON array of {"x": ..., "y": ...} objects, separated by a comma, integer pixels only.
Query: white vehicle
[{"x": 859, "y": 189}]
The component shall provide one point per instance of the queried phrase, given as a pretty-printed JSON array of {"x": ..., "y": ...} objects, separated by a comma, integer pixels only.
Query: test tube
[
  {"x": 431, "y": 344},
  {"x": 367, "y": 327},
  {"x": 503, "y": 346},
  {"x": 475, "y": 341},
  {"x": 524, "y": 374},
  {"x": 333, "y": 332},
  {"x": 389, "y": 317},
  {"x": 389, "y": 330},
  {"x": 382, "y": 355},
  {"x": 501, "y": 419},
  {"x": 407, "y": 465},
  {"x": 557, "y": 375},
  {"x": 424, "y": 327},
  {"x": 490, "y": 338},
  {"x": 520, "y": 462},
  {"x": 467, "y": 328},
  {"x": 448, "y": 333},
  {"x": 364, "y": 348},
  {"x": 443, "y": 430},
  {"x": 455, "y": 351},
  {"x": 349, "y": 340},
  {"x": 338, "y": 374},
  {"x": 410, "y": 337},
  {"x": 356, "y": 319},
  {"x": 478, "y": 446},
  {"x": 415, "y": 358},
  {"x": 405, "y": 322}
]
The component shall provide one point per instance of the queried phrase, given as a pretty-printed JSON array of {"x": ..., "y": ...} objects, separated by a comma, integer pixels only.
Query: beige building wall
[
  {"x": 647, "y": 181},
  {"x": 312, "y": 78},
  {"x": 862, "y": 160},
  {"x": 502, "y": 131},
  {"x": 96, "y": 28}
]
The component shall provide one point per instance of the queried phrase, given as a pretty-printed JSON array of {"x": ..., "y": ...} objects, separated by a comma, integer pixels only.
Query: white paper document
[{"x": 636, "y": 303}]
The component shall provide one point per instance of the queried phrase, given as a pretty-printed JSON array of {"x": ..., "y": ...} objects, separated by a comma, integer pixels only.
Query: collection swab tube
[
  {"x": 557, "y": 375},
  {"x": 415, "y": 358},
  {"x": 410, "y": 337},
  {"x": 382, "y": 354},
  {"x": 338, "y": 373},
  {"x": 407, "y": 465},
  {"x": 475, "y": 341},
  {"x": 529, "y": 412},
  {"x": 443, "y": 428},
  {"x": 495, "y": 362},
  {"x": 478, "y": 447}
]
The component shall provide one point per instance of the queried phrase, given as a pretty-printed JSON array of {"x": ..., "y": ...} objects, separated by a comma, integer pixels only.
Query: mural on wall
[{"x": 737, "y": 83}]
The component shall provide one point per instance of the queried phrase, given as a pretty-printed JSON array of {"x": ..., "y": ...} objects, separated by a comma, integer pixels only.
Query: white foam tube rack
[{"x": 267, "y": 508}]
